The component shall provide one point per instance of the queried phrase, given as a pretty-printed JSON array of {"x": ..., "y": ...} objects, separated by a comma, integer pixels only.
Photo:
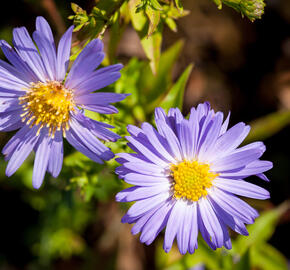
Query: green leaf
[
  {"x": 177, "y": 266},
  {"x": 155, "y": 86},
  {"x": 154, "y": 18},
  {"x": 152, "y": 47},
  {"x": 155, "y": 4},
  {"x": 244, "y": 263},
  {"x": 218, "y": 3},
  {"x": 209, "y": 257},
  {"x": 151, "y": 44},
  {"x": 141, "y": 6},
  {"x": 267, "y": 257},
  {"x": 66, "y": 243},
  {"x": 80, "y": 18},
  {"x": 109, "y": 7},
  {"x": 96, "y": 22},
  {"x": 130, "y": 75},
  {"x": 174, "y": 98},
  {"x": 167, "y": 61},
  {"x": 261, "y": 230},
  {"x": 179, "y": 5},
  {"x": 77, "y": 9},
  {"x": 138, "y": 19},
  {"x": 171, "y": 24},
  {"x": 268, "y": 125},
  {"x": 116, "y": 32}
]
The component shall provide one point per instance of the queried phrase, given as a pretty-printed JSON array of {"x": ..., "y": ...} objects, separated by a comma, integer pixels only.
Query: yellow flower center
[
  {"x": 191, "y": 179},
  {"x": 48, "y": 104}
]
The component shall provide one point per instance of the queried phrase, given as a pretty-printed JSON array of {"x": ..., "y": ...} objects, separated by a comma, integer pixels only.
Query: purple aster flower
[
  {"x": 45, "y": 104},
  {"x": 187, "y": 174}
]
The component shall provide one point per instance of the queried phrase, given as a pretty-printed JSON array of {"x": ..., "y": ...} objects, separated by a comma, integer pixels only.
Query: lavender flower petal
[
  {"x": 25, "y": 46},
  {"x": 41, "y": 160},
  {"x": 56, "y": 156},
  {"x": 63, "y": 54}
]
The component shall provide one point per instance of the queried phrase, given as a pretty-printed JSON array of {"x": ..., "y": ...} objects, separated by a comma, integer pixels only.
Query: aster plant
[
  {"x": 45, "y": 103},
  {"x": 186, "y": 175}
]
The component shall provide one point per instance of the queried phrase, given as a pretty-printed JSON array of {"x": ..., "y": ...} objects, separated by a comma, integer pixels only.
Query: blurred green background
[{"x": 172, "y": 58}]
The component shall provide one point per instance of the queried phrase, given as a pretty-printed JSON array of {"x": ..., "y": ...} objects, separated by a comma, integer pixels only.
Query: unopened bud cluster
[{"x": 253, "y": 9}]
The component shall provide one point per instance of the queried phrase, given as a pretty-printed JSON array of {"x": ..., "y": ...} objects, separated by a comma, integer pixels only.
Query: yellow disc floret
[
  {"x": 48, "y": 105},
  {"x": 191, "y": 179}
]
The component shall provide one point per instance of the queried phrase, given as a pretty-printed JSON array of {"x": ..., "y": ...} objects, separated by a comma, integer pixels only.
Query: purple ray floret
[
  {"x": 187, "y": 174},
  {"x": 46, "y": 102}
]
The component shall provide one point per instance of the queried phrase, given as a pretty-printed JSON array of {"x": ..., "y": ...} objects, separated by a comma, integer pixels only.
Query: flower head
[
  {"x": 39, "y": 98},
  {"x": 253, "y": 9},
  {"x": 187, "y": 174}
]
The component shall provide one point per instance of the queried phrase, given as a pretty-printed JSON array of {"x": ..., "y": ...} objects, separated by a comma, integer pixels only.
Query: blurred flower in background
[{"x": 198, "y": 267}]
